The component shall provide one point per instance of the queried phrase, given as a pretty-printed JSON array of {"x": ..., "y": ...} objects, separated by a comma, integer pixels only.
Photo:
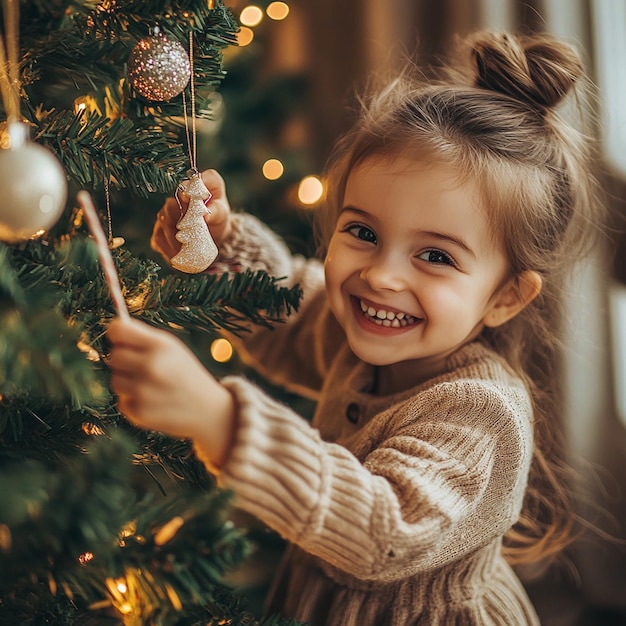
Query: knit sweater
[{"x": 394, "y": 506}]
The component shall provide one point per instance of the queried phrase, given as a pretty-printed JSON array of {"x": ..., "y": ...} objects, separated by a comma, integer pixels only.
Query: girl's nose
[{"x": 384, "y": 274}]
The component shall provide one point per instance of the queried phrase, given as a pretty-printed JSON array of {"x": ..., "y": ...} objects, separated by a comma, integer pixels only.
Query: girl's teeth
[{"x": 386, "y": 318}]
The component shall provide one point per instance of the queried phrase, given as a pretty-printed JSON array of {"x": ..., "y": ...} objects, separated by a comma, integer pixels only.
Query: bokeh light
[
  {"x": 310, "y": 190},
  {"x": 277, "y": 10},
  {"x": 244, "y": 36},
  {"x": 251, "y": 15},
  {"x": 221, "y": 350},
  {"x": 273, "y": 169}
]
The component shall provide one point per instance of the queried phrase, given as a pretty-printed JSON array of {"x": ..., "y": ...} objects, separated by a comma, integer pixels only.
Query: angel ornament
[{"x": 198, "y": 250}]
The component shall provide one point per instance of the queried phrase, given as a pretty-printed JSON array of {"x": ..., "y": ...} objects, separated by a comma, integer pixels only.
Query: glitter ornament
[
  {"x": 34, "y": 187},
  {"x": 158, "y": 67},
  {"x": 198, "y": 250}
]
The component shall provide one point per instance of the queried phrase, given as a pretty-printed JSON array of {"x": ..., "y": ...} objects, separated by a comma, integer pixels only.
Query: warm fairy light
[
  {"x": 168, "y": 530},
  {"x": 221, "y": 350},
  {"x": 84, "y": 558},
  {"x": 277, "y": 10},
  {"x": 251, "y": 16},
  {"x": 80, "y": 104},
  {"x": 91, "y": 429},
  {"x": 211, "y": 4},
  {"x": 5, "y": 538},
  {"x": 92, "y": 353},
  {"x": 175, "y": 326},
  {"x": 244, "y": 36},
  {"x": 125, "y": 608},
  {"x": 273, "y": 169},
  {"x": 116, "y": 588},
  {"x": 174, "y": 598},
  {"x": 128, "y": 531},
  {"x": 310, "y": 190}
]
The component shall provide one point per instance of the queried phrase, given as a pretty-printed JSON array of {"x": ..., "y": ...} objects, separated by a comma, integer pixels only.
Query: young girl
[{"x": 426, "y": 338}]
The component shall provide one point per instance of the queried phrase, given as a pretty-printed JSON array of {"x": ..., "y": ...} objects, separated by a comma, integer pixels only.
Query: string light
[
  {"x": 128, "y": 531},
  {"x": 277, "y": 10},
  {"x": 310, "y": 190},
  {"x": 222, "y": 350},
  {"x": 251, "y": 16},
  {"x": 85, "y": 557},
  {"x": 80, "y": 104},
  {"x": 168, "y": 530},
  {"x": 91, "y": 352},
  {"x": 273, "y": 169},
  {"x": 92, "y": 429},
  {"x": 174, "y": 598},
  {"x": 5, "y": 538},
  {"x": 244, "y": 36}
]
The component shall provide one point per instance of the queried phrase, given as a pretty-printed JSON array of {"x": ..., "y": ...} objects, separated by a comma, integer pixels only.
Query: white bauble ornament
[
  {"x": 33, "y": 187},
  {"x": 158, "y": 67}
]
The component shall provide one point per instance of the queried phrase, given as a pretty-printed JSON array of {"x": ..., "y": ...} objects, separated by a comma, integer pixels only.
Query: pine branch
[
  {"x": 82, "y": 526},
  {"x": 39, "y": 354},
  {"x": 93, "y": 148},
  {"x": 91, "y": 49},
  {"x": 81, "y": 531},
  {"x": 227, "y": 302},
  {"x": 127, "y": 140}
]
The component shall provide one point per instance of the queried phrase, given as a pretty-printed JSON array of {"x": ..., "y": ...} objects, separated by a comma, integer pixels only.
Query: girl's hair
[{"x": 494, "y": 122}]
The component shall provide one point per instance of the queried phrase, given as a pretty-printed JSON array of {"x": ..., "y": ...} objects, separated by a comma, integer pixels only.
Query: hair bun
[{"x": 538, "y": 70}]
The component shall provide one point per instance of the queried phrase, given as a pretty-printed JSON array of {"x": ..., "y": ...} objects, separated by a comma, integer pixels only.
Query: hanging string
[
  {"x": 107, "y": 200},
  {"x": 114, "y": 242},
  {"x": 191, "y": 137},
  {"x": 9, "y": 63}
]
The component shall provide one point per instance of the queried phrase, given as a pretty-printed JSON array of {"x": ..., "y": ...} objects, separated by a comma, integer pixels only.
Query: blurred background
[{"x": 290, "y": 91}]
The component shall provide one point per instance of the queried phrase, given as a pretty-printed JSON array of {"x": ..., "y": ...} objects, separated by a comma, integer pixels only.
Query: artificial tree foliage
[{"x": 101, "y": 522}]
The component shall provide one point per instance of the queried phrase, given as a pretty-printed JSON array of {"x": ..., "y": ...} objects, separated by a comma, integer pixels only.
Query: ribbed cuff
[{"x": 251, "y": 245}]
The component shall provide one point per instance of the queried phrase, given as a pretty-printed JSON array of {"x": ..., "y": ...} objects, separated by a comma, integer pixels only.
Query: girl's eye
[
  {"x": 437, "y": 257},
  {"x": 361, "y": 232}
]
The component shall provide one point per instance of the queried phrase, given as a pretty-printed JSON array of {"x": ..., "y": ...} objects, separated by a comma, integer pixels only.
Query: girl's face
[{"x": 412, "y": 266}]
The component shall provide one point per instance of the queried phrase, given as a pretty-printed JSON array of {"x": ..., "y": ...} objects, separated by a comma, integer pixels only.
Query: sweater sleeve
[
  {"x": 295, "y": 352},
  {"x": 433, "y": 489}
]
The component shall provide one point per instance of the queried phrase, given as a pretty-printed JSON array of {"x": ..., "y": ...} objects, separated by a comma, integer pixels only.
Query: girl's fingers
[
  {"x": 214, "y": 183},
  {"x": 163, "y": 239}
]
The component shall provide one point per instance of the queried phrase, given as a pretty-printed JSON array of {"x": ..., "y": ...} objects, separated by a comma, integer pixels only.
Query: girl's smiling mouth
[{"x": 368, "y": 313}]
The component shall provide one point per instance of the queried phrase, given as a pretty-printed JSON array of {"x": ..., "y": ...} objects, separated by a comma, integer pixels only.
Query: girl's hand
[
  {"x": 162, "y": 386},
  {"x": 218, "y": 219}
]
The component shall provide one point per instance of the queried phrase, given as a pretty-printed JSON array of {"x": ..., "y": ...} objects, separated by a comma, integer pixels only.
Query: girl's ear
[{"x": 512, "y": 298}]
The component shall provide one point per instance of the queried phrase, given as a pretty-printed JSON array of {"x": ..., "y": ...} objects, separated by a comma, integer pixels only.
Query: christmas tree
[{"x": 101, "y": 523}]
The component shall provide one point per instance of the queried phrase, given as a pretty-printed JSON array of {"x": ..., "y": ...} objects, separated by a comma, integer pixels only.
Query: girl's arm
[
  {"x": 446, "y": 474},
  {"x": 435, "y": 488},
  {"x": 294, "y": 353},
  {"x": 162, "y": 386}
]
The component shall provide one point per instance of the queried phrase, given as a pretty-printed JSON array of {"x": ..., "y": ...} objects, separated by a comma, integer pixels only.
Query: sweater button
[{"x": 353, "y": 412}]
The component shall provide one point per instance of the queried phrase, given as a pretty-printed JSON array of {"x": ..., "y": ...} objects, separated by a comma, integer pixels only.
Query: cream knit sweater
[{"x": 395, "y": 506}]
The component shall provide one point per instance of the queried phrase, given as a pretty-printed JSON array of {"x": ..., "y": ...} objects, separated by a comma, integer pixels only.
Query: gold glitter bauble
[
  {"x": 159, "y": 68},
  {"x": 34, "y": 187}
]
